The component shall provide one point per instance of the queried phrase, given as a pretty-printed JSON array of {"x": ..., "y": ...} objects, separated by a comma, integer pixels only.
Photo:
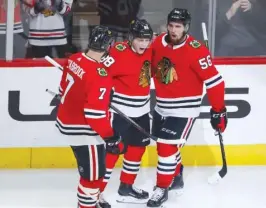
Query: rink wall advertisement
[{"x": 28, "y": 113}]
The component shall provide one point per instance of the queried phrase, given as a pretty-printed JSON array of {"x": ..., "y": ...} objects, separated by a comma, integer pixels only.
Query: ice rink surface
[{"x": 242, "y": 187}]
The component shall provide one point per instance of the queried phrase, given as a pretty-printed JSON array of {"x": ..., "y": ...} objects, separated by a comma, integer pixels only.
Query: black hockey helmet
[
  {"x": 140, "y": 28},
  {"x": 100, "y": 39},
  {"x": 180, "y": 15}
]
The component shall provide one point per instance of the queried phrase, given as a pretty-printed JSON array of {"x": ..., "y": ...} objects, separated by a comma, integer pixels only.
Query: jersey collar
[
  {"x": 89, "y": 58},
  {"x": 175, "y": 46}
]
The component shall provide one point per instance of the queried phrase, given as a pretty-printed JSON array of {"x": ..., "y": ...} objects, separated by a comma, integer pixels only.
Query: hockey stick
[
  {"x": 223, "y": 171},
  {"x": 218, "y": 176},
  {"x": 214, "y": 179},
  {"x": 125, "y": 117},
  {"x": 204, "y": 32}
]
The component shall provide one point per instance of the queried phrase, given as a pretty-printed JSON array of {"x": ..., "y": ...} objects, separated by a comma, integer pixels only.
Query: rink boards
[{"x": 27, "y": 113}]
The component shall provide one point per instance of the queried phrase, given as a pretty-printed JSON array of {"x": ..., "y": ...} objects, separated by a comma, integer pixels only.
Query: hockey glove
[
  {"x": 39, "y": 7},
  {"x": 59, "y": 5},
  {"x": 219, "y": 120},
  {"x": 114, "y": 145}
]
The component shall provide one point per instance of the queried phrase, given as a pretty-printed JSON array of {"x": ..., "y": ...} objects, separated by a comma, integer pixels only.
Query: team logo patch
[
  {"x": 102, "y": 72},
  {"x": 145, "y": 74},
  {"x": 195, "y": 44},
  {"x": 120, "y": 47},
  {"x": 48, "y": 12},
  {"x": 166, "y": 72}
]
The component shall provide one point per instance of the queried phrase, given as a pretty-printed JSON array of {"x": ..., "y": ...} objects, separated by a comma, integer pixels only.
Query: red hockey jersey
[
  {"x": 180, "y": 72},
  {"x": 85, "y": 90},
  {"x": 131, "y": 75}
]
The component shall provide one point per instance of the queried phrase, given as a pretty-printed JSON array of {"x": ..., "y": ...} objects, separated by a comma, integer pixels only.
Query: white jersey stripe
[
  {"x": 186, "y": 107},
  {"x": 131, "y": 97},
  {"x": 132, "y": 106},
  {"x": 190, "y": 98},
  {"x": 95, "y": 114},
  {"x": 93, "y": 111},
  {"x": 213, "y": 81}
]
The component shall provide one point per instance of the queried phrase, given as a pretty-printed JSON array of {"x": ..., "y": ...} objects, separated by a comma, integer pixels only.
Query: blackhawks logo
[
  {"x": 166, "y": 72},
  {"x": 48, "y": 12},
  {"x": 102, "y": 72},
  {"x": 195, "y": 44},
  {"x": 145, "y": 74},
  {"x": 120, "y": 47}
]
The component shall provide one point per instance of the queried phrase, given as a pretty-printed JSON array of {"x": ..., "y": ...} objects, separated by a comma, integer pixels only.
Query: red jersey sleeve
[
  {"x": 203, "y": 66},
  {"x": 96, "y": 106}
]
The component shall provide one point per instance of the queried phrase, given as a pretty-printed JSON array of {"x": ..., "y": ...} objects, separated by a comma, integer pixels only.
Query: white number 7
[
  {"x": 102, "y": 90},
  {"x": 71, "y": 81}
]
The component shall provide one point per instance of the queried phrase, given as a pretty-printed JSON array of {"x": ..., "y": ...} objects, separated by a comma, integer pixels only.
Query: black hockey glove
[
  {"x": 59, "y": 5},
  {"x": 114, "y": 145},
  {"x": 219, "y": 120},
  {"x": 39, "y": 7}
]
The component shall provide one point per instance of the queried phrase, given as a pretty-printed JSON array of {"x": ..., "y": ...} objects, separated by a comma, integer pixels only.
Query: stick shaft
[{"x": 204, "y": 32}]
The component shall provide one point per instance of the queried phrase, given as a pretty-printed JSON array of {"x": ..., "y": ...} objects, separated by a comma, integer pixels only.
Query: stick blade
[{"x": 223, "y": 171}]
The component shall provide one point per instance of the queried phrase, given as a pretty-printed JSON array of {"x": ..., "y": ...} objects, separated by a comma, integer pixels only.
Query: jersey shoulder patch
[
  {"x": 120, "y": 47},
  {"x": 195, "y": 44},
  {"x": 102, "y": 72}
]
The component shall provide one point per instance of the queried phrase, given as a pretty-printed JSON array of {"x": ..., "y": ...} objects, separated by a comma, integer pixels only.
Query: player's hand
[
  {"x": 39, "y": 7},
  {"x": 114, "y": 145},
  {"x": 219, "y": 120}
]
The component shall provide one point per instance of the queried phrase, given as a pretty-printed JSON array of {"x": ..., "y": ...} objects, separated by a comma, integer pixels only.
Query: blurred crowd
[{"x": 59, "y": 28}]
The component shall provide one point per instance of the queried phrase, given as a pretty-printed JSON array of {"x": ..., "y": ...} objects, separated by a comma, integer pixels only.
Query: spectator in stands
[
  {"x": 68, "y": 20},
  {"x": 18, "y": 30},
  {"x": 240, "y": 28},
  {"x": 117, "y": 15},
  {"x": 47, "y": 28},
  {"x": 255, "y": 19}
]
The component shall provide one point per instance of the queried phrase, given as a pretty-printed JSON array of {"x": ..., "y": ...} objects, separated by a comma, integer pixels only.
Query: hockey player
[
  {"x": 182, "y": 65},
  {"x": 83, "y": 114},
  {"x": 131, "y": 74}
]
